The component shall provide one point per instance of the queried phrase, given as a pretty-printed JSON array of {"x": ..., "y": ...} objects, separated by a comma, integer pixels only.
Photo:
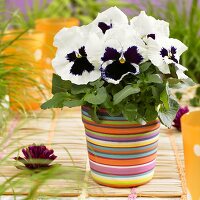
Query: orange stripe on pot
[
  {"x": 117, "y": 130},
  {"x": 120, "y": 162}
]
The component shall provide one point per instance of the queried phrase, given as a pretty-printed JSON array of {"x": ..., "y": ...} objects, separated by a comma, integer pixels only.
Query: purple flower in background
[
  {"x": 179, "y": 114},
  {"x": 36, "y": 157}
]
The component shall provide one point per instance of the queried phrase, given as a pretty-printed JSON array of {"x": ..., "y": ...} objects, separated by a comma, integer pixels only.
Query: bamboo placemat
[{"x": 64, "y": 129}]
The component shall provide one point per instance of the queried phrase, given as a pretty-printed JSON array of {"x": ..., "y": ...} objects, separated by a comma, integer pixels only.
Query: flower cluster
[
  {"x": 111, "y": 47},
  {"x": 36, "y": 157},
  {"x": 126, "y": 67}
]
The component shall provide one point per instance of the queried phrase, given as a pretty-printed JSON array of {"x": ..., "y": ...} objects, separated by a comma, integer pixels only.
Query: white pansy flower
[
  {"x": 149, "y": 27},
  {"x": 78, "y": 55},
  {"x": 164, "y": 51},
  {"x": 106, "y": 20},
  {"x": 123, "y": 52}
]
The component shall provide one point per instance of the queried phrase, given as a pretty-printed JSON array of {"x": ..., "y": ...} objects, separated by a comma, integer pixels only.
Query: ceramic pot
[{"x": 121, "y": 154}]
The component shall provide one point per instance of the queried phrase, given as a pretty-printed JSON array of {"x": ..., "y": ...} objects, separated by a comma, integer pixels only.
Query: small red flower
[
  {"x": 179, "y": 114},
  {"x": 36, "y": 156}
]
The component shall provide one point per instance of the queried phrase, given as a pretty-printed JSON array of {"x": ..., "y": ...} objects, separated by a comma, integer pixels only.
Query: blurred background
[{"x": 28, "y": 27}]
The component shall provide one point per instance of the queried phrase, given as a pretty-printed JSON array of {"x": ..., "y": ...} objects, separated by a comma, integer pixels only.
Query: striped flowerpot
[{"x": 121, "y": 154}]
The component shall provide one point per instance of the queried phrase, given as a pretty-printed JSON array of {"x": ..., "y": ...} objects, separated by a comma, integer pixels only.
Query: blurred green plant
[
  {"x": 195, "y": 101},
  {"x": 85, "y": 11},
  {"x": 14, "y": 71},
  {"x": 183, "y": 17}
]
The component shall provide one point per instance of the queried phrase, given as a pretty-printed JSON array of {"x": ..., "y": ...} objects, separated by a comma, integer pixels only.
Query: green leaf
[
  {"x": 151, "y": 113},
  {"x": 93, "y": 114},
  {"x": 155, "y": 93},
  {"x": 164, "y": 97},
  {"x": 154, "y": 78},
  {"x": 59, "y": 85},
  {"x": 195, "y": 102},
  {"x": 97, "y": 97},
  {"x": 198, "y": 92},
  {"x": 73, "y": 103},
  {"x": 98, "y": 83},
  {"x": 130, "y": 112},
  {"x": 167, "y": 116},
  {"x": 179, "y": 95},
  {"x": 56, "y": 101},
  {"x": 145, "y": 66},
  {"x": 127, "y": 91},
  {"x": 79, "y": 89}
]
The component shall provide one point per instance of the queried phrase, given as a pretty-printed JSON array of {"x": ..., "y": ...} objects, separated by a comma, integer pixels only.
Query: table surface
[{"x": 64, "y": 132}]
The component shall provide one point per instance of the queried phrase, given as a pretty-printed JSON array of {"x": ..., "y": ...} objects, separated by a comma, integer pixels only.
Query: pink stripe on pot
[
  {"x": 116, "y": 170},
  {"x": 110, "y": 138}
]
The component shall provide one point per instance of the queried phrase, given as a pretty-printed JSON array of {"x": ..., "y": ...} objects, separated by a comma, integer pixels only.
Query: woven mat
[{"x": 64, "y": 129}]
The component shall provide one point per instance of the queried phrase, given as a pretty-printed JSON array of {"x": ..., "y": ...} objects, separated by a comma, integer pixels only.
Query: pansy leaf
[
  {"x": 145, "y": 66},
  {"x": 151, "y": 113},
  {"x": 156, "y": 93},
  {"x": 167, "y": 116},
  {"x": 154, "y": 78},
  {"x": 97, "y": 97},
  {"x": 57, "y": 101},
  {"x": 173, "y": 82},
  {"x": 164, "y": 97},
  {"x": 79, "y": 89},
  {"x": 125, "y": 92},
  {"x": 130, "y": 112},
  {"x": 59, "y": 85},
  {"x": 93, "y": 114},
  {"x": 73, "y": 103},
  {"x": 98, "y": 83}
]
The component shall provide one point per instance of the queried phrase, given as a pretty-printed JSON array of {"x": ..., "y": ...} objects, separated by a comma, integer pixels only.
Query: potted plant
[{"x": 121, "y": 73}]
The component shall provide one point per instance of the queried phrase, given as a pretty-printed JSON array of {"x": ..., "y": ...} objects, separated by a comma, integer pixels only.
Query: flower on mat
[
  {"x": 163, "y": 52},
  {"x": 179, "y": 114},
  {"x": 122, "y": 57},
  {"x": 78, "y": 55},
  {"x": 149, "y": 27},
  {"x": 36, "y": 157},
  {"x": 108, "y": 19}
]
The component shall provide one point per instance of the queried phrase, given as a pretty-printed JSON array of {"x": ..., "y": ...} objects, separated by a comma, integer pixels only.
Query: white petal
[
  {"x": 123, "y": 37},
  {"x": 178, "y": 45},
  {"x": 69, "y": 38},
  {"x": 145, "y": 25},
  {"x": 94, "y": 49},
  {"x": 180, "y": 71},
  {"x": 168, "y": 61},
  {"x": 112, "y": 15},
  {"x": 62, "y": 66},
  {"x": 181, "y": 67},
  {"x": 63, "y": 70},
  {"x": 154, "y": 56},
  {"x": 181, "y": 74}
]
